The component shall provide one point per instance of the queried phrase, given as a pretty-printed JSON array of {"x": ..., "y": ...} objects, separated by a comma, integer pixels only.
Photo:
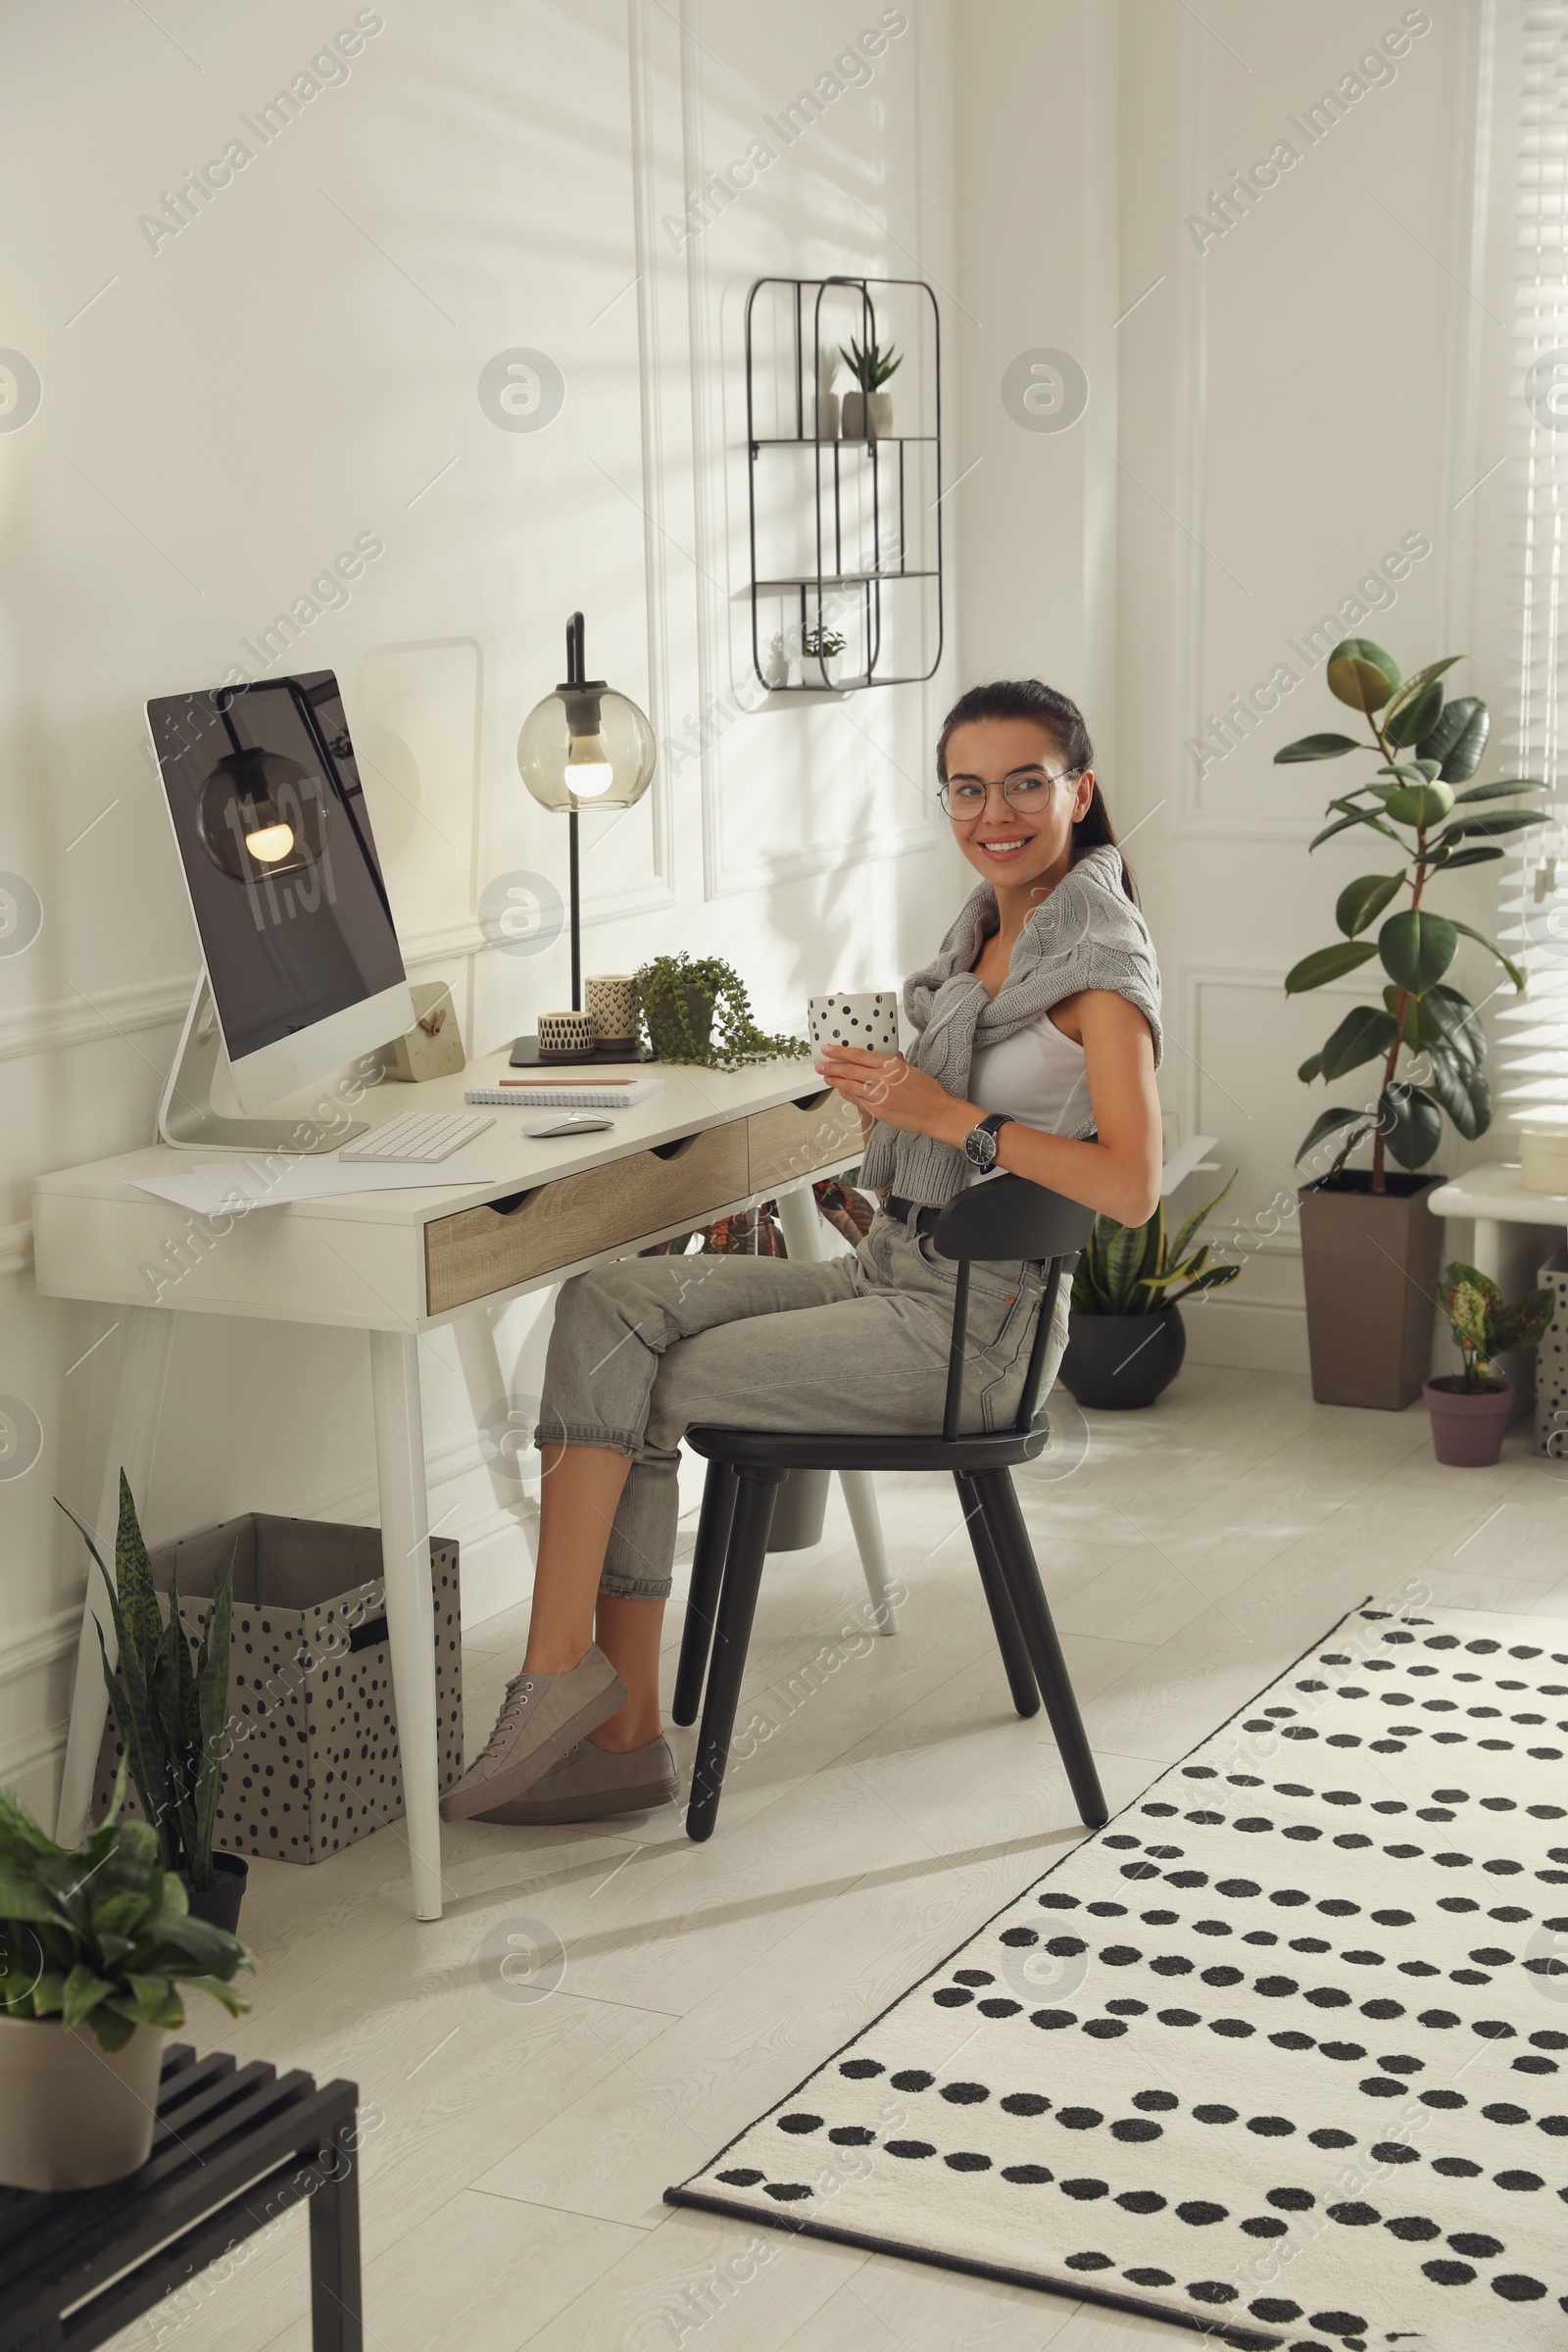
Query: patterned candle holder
[
  {"x": 564, "y": 1036},
  {"x": 612, "y": 1002}
]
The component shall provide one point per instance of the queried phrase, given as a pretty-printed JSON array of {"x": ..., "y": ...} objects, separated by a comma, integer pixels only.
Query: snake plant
[
  {"x": 1134, "y": 1270},
  {"x": 172, "y": 1710}
]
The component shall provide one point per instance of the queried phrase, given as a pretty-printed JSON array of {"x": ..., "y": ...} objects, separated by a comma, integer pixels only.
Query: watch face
[{"x": 980, "y": 1148}]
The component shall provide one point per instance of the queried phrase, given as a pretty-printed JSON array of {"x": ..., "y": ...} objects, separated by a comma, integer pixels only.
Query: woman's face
[{"x": 1029, "y": 838}]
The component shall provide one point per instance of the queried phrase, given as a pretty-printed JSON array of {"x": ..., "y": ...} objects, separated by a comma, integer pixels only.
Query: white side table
[{"x": 1495, "y": 1197}]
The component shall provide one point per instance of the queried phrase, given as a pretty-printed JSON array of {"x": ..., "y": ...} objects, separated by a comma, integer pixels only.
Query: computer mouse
[{"x": 570, "y": 1122}]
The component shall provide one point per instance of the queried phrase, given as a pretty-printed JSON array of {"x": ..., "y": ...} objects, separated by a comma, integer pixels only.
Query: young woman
[{"x": 1037, "y": 1037}]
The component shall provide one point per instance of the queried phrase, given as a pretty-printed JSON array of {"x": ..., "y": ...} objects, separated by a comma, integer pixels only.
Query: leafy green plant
[
  {"x": 1133, "y": 1270},
  {"x": 1425, "y": 748},
  {"x": 1482, "y": 1327},
  {"x": 103, "y": 1937},
  {"x": 696, "y": 1008},
  {"x": 171, "y": 1711},
  {"x": 872, "y": 366},
  {"x": 821, "y": 645}
]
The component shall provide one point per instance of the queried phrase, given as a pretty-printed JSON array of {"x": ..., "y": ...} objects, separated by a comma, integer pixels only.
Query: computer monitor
[{"x": 280, "y": 862}]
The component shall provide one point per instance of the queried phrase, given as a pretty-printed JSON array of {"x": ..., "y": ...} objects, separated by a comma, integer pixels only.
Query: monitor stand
[{"x": 186, "y": 1117}]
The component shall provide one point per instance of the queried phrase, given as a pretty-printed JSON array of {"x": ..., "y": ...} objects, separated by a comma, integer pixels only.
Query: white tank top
[{"x": 1038, "y": 1076}]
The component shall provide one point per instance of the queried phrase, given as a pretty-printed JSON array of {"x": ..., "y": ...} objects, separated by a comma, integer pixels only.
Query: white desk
[
  {"x": 397, "y": 1263},
  {"x": 1493, "y": 1195}
]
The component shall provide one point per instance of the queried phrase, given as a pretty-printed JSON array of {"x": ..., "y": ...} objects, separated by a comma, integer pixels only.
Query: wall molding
[
  {"x": 16, "y": 1248},
  {"x": 81, "y": 1020},
  {"x": 39, "y": 1645}
]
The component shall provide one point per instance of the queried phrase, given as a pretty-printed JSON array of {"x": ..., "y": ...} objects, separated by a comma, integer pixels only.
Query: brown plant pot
[
  {"x": 1467, "y": 1429},
  {"x": 74, "y": 2115},
  {"x": 1369, "y": 1262}
]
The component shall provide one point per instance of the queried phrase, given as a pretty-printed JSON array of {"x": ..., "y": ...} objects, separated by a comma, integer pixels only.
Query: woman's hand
[{"x": 883, "y": 1086}]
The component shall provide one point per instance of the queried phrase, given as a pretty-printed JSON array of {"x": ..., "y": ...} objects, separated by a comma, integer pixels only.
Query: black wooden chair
[{"x": 1006, "y": 1218}]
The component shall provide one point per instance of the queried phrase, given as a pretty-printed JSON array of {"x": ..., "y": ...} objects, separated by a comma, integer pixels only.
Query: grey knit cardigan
[{"x": 1088, "y": 934}]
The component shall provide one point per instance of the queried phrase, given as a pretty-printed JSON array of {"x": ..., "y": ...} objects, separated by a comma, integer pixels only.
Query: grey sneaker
[
  {"x": 590, "y": 1784},
  {"x": 541, "y": 1717}
]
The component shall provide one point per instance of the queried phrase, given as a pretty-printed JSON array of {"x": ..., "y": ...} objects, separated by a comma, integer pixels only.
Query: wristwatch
[{"x": 980, "y": 1143}]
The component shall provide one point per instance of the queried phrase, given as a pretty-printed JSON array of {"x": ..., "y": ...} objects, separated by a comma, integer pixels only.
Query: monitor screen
[{"x": 275, "y": 839}]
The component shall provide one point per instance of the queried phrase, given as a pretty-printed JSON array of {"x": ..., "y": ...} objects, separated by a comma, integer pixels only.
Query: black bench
[{"x": 234, "y": 2147}]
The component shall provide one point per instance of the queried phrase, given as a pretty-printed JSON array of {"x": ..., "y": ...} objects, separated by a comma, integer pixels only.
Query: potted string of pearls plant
[
  {"x": 696, "y": 1009},
  {"x": 1369, "y": 1246},
  {"x": 1470, "y": 1409},
  {"x": 94, "y": 1947}
]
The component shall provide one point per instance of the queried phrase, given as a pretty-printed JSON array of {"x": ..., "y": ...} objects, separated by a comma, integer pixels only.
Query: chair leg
[
  {"x": 737, "y": 1606},
  {"x": 702, "y": 1600},
  {"x": 1009, "y": 1640},
  {"x": 1009, "y": 1533}
]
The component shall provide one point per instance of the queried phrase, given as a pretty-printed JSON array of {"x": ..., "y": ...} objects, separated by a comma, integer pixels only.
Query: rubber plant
[
  {"x": 696, "y": 1010},
  {"x": 103, "y": 1937},
  {"x": 1134, "y": 1270},
  {"x": 1426, "y": 749},
  {"x": 170, "y": 1708},
  {"x": 1482, "y": 1327}
]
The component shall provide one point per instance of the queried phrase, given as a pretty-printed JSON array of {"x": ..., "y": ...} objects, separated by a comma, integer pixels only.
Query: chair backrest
[
  {"x": 1008, "y": 1217},
  {"x": 1011, "y": 1217}
]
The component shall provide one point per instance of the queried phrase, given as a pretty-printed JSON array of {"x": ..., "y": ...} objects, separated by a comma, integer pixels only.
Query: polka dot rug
[{"x": 1281, "y": 2053}]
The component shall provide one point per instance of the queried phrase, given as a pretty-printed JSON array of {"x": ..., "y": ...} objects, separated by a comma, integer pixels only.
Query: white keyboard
[{"x": 418, "y": 1135}]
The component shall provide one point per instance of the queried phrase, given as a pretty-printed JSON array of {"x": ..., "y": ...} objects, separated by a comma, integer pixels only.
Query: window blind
[{"x": 1532, "y": 1059}]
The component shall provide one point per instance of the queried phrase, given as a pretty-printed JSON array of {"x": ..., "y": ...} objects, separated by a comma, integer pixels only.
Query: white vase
[
  {"x": 852, "y": 415},
  {"x": 879, "y": 415},
  {"x": 74, "y": 2115}
]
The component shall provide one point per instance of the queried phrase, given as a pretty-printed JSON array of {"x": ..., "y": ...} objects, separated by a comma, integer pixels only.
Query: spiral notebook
[{"x": 567, "y": 1094}]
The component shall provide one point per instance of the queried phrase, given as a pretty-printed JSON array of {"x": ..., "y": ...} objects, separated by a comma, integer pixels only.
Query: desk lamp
[{"x": 583, "y": 747}]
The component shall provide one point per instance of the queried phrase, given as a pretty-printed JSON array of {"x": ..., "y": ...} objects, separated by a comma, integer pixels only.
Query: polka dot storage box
[{"x": 315, "y": 1763}]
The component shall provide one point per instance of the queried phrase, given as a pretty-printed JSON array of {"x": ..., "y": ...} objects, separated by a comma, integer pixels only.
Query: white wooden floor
[{"x": 516, "y": 2149}]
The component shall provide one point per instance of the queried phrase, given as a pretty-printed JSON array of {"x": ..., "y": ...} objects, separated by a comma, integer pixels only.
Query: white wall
[
  {"x": 223, "y": 411},
  {"x": 1299, "y": 403}
]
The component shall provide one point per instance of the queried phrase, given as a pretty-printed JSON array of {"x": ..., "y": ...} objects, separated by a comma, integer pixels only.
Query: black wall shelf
[{"x": 855, "y": 546}]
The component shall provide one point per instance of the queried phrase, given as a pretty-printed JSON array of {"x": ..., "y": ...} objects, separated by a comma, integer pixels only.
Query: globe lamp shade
[{"x": 586, "y": 747}]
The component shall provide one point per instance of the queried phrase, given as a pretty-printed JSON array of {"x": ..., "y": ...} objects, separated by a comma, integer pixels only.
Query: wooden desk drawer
[
  {"x": 792, "y": 1141},
  {"x": 481, "y": 1251}
]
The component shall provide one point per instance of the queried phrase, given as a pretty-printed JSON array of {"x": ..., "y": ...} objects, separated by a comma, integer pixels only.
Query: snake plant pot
[
  {"x": 878, "y": 415},
  {"x": 1467, "y": 1429},
  {"x": 852, "y": 417},
  {"x": 74, "y": 2115},
  {"x": 218, "y": 1904},
  {"x": 1116, "y": 1363},
  {"x": 799, "y": 1510},
  {"x": 1369, "y": 1262}
]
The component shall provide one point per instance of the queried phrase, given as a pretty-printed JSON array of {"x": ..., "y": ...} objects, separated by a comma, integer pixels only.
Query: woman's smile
[{"x": 1012, "y": 845}]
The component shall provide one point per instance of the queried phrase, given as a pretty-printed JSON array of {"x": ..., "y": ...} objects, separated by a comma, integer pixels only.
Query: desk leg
[
  {"x": 802, "y": 1228},
  {"x": 410, "y": 1604},
  {"x": 133, "y": 1434}
]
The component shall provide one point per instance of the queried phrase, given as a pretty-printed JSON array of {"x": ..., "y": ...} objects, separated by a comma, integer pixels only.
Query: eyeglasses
[{"x": 1026, "y": 789}]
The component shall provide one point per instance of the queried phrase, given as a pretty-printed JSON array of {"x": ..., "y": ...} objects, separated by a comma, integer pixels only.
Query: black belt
[{"x": 909, "y": 1213}]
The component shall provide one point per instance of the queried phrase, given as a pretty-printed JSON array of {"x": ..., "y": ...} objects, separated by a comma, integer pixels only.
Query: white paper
[{"x": 235, "y": 1187}]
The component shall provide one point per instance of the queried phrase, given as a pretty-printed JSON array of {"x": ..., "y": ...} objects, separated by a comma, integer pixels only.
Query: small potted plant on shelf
[
  {"x": 94, "y": 1946},
  {"x": 868, "y": 413},
  {"x": 1126, "y": 1339},
  {"x": 823, "y": 645},
  {"x": 171, "y": 1709},
  {"x": 1471, "y": 1409},
  {"x": 696, "y": 1010},
  {"x": 1369, "y": 1246}
]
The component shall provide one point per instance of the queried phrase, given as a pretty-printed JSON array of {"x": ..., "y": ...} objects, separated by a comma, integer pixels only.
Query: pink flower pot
[{"x": 1467, "y": 1431}]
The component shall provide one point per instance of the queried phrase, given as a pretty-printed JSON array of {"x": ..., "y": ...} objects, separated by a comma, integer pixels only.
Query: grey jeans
[{"x": 645, "y": 1348}]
